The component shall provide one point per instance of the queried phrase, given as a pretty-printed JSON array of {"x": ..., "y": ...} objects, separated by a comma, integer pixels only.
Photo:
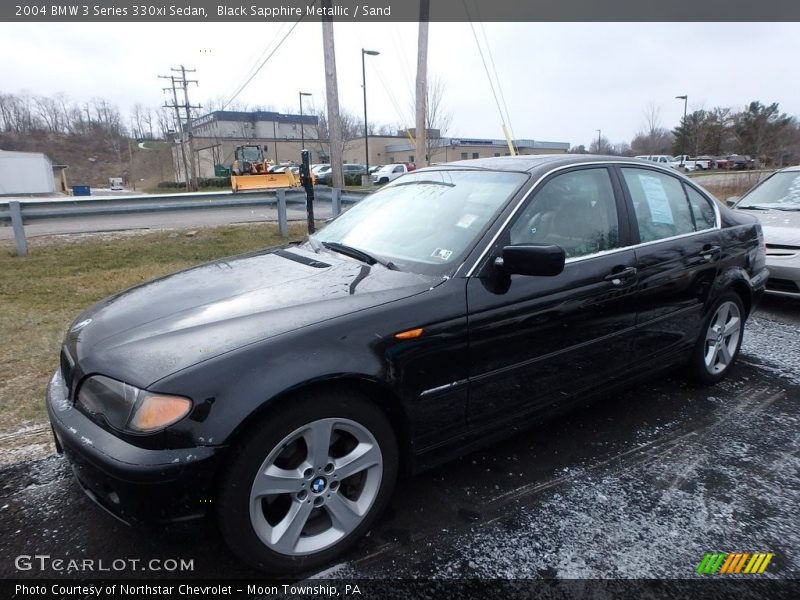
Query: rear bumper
[{"x": 133, "y": 484}]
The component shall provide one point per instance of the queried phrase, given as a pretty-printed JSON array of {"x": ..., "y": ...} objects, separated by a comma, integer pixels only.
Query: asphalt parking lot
[{"x": 638, "y": 485}]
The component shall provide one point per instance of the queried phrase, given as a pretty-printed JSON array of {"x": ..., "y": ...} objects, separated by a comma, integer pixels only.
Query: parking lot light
[{"x": 364, "y": 85}]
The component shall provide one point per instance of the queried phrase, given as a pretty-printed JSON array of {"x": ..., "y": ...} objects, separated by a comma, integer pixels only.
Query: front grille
[
  {"x": 782, "y": 285},
  {"x": 782, "y": 251},
  {"x": 67, "y": 368}
]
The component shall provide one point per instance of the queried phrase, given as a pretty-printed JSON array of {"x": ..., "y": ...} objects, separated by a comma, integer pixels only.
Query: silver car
[{"x": 776, "y": 203}]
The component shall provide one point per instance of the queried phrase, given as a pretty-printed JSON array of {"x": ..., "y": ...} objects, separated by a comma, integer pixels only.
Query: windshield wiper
[
  {"x": 784, "y": 207},
  {"x": 754, "y": 207},
  {"x": 419, "y": 182},
  {"x": 358, "y": 254}
]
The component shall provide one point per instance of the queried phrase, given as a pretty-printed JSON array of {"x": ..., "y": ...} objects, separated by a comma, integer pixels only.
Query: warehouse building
[{"x": 216, "y": 136}]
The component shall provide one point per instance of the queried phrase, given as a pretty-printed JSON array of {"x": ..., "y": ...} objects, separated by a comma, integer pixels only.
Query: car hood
[
  {"x": 153, "y": 330},
  {"x": 781, "y": 227}
]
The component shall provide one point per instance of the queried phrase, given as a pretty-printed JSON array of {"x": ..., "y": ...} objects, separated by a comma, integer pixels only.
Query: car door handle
[
  {"x": 621, "y": 276},
  {"x": 709, "y": 252}
]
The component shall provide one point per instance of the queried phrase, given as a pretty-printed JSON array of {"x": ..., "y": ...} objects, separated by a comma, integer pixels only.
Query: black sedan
[{"x": 284, "y": 391}]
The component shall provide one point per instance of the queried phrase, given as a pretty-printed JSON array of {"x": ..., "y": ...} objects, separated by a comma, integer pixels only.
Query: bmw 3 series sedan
[{"x": 283, "y": 392}]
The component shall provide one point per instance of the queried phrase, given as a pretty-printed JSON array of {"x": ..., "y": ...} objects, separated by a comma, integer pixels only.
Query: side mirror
[
  {"x": 531, "y": 259},
  {"x": 730, "y": 201}
]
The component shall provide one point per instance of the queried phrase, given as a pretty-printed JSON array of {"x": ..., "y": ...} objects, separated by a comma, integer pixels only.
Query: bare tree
[
  {"x": 137, "y": 120},
  {"x": 601, "y": 146},
  {"x": 147, "y": 122},
  {"x": 352, "y": 128},
  {"x": 654, "y": 139},
  {"x": 166, "y": 122},
  {"x": 438, "y": 117}
]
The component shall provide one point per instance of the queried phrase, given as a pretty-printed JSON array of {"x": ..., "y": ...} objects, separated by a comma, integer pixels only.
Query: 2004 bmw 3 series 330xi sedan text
[{"x": 284, "y": 391}]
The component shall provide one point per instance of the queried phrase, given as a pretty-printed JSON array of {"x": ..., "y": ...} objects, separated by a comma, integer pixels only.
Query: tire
[
  {"x": 720, "y": 340},
  {"x": 330, "y": 498}
]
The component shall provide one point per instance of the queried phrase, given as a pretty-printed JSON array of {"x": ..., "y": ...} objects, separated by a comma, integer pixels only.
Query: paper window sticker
[{"x": 657, "y": 200}]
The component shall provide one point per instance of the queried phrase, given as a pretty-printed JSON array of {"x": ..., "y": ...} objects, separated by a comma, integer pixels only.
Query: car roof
[
  {"x": 790, "y": 169},
  {"x": 532, "y": 162}
]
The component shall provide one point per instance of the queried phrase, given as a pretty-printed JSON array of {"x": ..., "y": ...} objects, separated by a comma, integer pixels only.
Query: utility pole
[
  {"x": 421, "y": 152},
  {"x": 188, "y": 107},
  {"x": 179, "y": 128},
  {"x": 190, "y": 166},
  {"x": 365, "y": 178},
  {"x": 685, "y": 99},
  {"x": 332, "y": 98},
  {"x": 131, "y": 175}
]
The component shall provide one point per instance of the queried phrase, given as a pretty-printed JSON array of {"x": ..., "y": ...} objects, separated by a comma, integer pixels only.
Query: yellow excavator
[{"x": 250, "y": 171}]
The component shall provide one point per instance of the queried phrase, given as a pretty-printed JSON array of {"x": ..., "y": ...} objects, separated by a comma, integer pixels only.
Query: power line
[
  {"x": 489, "y": 77},
  {"x": 271, "y": 54},
  {"x": 496, "y": 75},
  {"x": 257, "y": 57}
]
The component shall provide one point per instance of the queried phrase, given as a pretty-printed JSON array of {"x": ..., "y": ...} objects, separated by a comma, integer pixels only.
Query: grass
[{"x": 43, "y": 292}]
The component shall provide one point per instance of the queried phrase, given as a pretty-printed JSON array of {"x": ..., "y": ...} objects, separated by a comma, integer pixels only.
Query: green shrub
[
  {"x": 207, "y": 182},
  {"x": 351, "y": 179}
]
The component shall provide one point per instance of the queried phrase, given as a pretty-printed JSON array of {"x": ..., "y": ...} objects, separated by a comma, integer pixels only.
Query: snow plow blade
[{"x": 267, "y": 181}]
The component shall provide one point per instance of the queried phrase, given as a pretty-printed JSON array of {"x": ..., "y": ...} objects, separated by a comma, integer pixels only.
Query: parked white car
[
  {"x": 389, "y": 173},
  {"x": 687, "y": 164}
]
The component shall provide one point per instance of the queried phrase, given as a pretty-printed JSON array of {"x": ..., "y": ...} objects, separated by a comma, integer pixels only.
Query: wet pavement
[{"x": 636, "y": 485}]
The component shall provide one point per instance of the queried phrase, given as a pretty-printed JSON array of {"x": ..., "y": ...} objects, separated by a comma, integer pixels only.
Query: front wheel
[
  {"x": 720, "y": 341},
  {"x": 308, "y": 481}
]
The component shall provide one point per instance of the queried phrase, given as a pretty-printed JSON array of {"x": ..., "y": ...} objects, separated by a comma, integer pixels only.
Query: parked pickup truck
[
  {"x": 692, "y": 164},
  {"x": 666, "y": 160},
  {"x": 391, "y": 172}
]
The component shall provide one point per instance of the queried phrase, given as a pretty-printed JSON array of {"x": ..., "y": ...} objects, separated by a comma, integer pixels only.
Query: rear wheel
[
  {"x": 307, "y": 482},
  {"x": 720, "y": 341}
]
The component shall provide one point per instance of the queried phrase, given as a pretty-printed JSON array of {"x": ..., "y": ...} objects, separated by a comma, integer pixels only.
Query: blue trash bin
[{"x": 81, "y": 190}]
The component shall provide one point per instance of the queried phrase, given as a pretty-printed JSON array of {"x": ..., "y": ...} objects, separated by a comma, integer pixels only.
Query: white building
[{"x": 28, "y": 173}]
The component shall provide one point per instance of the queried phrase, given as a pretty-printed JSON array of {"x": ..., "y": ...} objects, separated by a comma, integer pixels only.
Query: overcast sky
[{"x": 561, "y": 81}]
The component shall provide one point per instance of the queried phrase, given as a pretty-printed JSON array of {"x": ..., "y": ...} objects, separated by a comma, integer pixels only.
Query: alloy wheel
[
  {"x": 722, "y": 337},
  {"x": 316, "y": 486}
]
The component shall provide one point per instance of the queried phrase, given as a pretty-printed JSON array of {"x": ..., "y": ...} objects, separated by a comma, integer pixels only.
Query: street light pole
[
  {"x": 598, "y": 140},
  {"x": 302, "y": 133},
  {"x": 364, "y": 85},
  {"x": 685, "y": 99}
]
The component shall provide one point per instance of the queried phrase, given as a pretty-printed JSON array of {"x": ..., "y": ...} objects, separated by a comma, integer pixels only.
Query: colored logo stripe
[{"x": 734, "y": 563}]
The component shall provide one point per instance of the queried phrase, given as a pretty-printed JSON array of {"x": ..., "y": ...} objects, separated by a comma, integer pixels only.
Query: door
[
  {"x": 536, "y": 340},
  {"x": 676, "y": 259}
]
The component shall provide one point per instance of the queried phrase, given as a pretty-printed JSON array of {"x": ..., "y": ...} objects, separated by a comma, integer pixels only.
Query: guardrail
[{"x": 19, "y": 213}]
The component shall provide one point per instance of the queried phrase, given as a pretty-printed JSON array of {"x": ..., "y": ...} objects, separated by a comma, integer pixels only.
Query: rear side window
[
  {"x": 702, "y": 210},
  {"x": 661, "y": 207}
]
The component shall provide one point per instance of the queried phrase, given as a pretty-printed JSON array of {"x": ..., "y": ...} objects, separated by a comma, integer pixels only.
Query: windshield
[
  {"x": 425, "y": 222},
  {"x": 251, "y": 154},
  {"x": 781, "y": 191}
]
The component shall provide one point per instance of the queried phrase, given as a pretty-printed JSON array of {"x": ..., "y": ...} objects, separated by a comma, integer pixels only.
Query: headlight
[{"x": 124, "y": 406}]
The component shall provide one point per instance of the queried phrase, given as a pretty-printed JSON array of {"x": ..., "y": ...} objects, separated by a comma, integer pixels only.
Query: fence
[{"x": 18, "y": 213}]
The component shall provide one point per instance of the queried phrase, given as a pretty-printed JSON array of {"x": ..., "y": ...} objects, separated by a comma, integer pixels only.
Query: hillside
[{"x": 93, "y": 159}]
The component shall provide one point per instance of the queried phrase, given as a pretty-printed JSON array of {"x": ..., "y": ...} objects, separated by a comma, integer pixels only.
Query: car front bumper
[
  {"x": 131, "y": 483},
  {"x": 784, "y": 272}
]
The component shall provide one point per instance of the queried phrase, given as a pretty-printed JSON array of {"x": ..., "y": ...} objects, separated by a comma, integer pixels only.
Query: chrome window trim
[{"x": 646, "y": 167}]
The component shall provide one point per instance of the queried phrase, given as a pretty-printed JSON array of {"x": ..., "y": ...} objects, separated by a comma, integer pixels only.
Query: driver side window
[{"x": 575, "y": 210}]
